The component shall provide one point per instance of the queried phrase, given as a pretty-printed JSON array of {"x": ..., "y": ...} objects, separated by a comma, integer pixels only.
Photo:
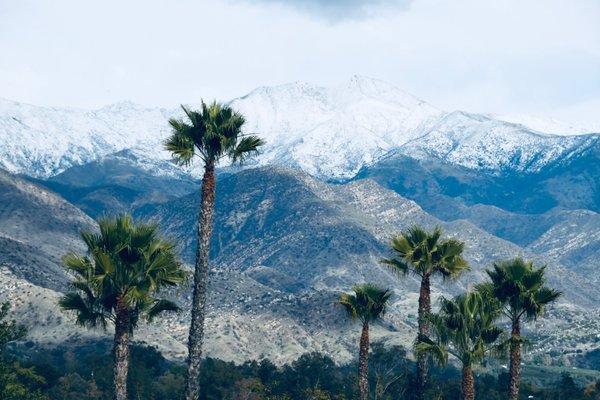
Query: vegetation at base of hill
[{"x": 85, "y": 373}]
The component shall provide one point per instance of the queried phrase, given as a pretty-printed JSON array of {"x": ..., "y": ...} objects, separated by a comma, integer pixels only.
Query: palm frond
[
  {"x": 395, "y": 265},
  {"x": 128, "y": 262},
  {"x": 246, "y": 146},
  {"x": 159, "y": 307},
  {"x": 519, "y": 286},
  {"x": 367, "y": 303},
  {"x": 424, "y": 253},
  {"x": 182, "y": 147},
  {"x": 424, "y": 345},
  {"x": 87, "y": 310}
]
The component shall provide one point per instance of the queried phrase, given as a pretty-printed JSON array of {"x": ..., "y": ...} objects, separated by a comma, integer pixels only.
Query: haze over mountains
[{"x": 344, "y": 169}]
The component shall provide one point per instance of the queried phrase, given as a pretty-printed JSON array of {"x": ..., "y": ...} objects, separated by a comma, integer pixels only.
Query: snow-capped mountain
[
  {"x": 329, "y": 132},
  {"x": 550, "y": 125},
  {"x": 42, "y": 142},
  {"x": 479, "y": 142},
  {"x": 332, "y": 132}
]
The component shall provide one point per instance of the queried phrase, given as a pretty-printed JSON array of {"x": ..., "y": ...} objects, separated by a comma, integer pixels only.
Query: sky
[{"x": 539, "y": 57}]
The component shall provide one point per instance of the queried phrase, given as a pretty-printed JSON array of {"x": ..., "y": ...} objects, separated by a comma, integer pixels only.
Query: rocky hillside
[
  {"x": 36, "y": 228},
  {"x": 285, "y": 246}
]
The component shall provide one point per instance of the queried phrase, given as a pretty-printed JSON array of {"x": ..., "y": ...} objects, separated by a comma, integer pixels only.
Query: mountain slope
[
  {"x": 37, "y": 227},
  {"x": 285, "y": 246},
  {"x": 116, "y": 184},
  {"x": 41, "y": 141},
  {"x": 278, "y": 219},
  {"x": 573, "y": 242},
  {"x": 570, "y": 181},
  {"x": 303, "y": 240},
  {"x": 479, "y": 142},
  {"x": 300, "y": 122},
  {"x": 330, "y": 132}
]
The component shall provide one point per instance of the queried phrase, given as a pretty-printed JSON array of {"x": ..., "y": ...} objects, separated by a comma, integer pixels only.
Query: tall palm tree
[
  {"x": 126, "y": 265},
  {"x": 367, "y": 304},
  {"x": 521, "y": 290},
  {"x": 425, "y": 254},
  {"x": 464, "y": 328},
  {"x": 212, "y": 133}
]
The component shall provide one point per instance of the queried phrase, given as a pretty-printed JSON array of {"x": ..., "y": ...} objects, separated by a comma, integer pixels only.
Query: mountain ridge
[{"x": 330, "y": 132}]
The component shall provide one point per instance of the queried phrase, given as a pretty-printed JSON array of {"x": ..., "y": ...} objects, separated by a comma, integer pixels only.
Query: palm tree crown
[
  {"x": 126, "y": 263},
  {"x": 367, "y": 303},
  {"x": 425, "y": 253},
  {"x": 464, "y": 327},
  {"x": 519, "y": 286},
  {"x": 213, "y": 132}
]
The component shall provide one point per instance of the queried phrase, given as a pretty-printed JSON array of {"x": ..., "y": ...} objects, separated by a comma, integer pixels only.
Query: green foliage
[
  {"x": 16, "y": 382},
  {"x": 425, "y": 253},
  {"x": 73, "y": 387},
  {"x": 126, "y": 262},
  {"x": 9, "y": 330},
  {"x": 211, "y": 133},
  {"x": 368, "y": 303},
  {"x": 85, "y": 373},
  {"x": 520, "y": 287},
  {"x": 20, "y": 383},
  {"x": 464, "y": 327}
]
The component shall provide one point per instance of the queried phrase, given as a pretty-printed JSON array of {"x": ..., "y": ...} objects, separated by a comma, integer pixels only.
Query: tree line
[{"x": 84, "y": 372}]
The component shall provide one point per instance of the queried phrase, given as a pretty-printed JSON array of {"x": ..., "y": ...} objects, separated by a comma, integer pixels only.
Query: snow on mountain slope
[
  {"x": 42, "y": 142},
  {"x": 479, "y": 142},
  {"x": 329, "y": 132},
  {"x": 550, "y": 125},
  {"x": 332, "y": 132}
]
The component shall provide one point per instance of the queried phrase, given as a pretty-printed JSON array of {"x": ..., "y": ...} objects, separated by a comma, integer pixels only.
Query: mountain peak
[{"x": 123, "y": 105}]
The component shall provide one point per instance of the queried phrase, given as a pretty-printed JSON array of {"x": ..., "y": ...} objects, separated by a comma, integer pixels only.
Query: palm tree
[
  {"x": 464, "y": 328},
  {"x": 521, "y": 290},
  {"x": 212, "y": 133},
  {"x": 367, "y": 304},
  {"x": 126, "y": 265},
  {"x": 425, "y": 254}
]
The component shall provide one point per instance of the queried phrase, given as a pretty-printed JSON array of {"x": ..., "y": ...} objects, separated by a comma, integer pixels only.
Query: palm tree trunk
[
  {"x": 363, "y": 363},
  {"x": 424, "y": 309},
  {"x": 121, "y": 350},
  {"x": 515, "y": 361},
  {"x": 467, "y": 384},
  {"x": 196, "y": 335}
]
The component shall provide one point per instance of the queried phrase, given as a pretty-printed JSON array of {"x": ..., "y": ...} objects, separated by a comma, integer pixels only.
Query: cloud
[
  {"x": 533, "y": 57},
  {"x": 339, "y": 10}
]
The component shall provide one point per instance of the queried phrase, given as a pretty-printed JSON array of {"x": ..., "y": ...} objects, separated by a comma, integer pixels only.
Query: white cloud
[
  {"x": 537, "y": 56},
  {"x": 339, "y": 10}
]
